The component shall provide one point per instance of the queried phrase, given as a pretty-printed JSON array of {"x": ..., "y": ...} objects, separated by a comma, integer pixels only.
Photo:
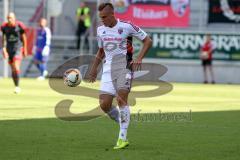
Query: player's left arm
[
  {"x": 212, "y": 47},
  {"x": 23, "y": 37},
  {"x": 46, "y": 49},
  {"x": 24, "y": 40},
  {"x": 147, "y": 44}
]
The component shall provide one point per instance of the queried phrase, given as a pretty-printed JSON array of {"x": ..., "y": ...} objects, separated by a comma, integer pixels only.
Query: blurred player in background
[
  {"x": 206, "y": 57},
  {"x": 14, "y": 46},
  {"x": 118, "y": 65},
  {"x": 42, "y": 48}
]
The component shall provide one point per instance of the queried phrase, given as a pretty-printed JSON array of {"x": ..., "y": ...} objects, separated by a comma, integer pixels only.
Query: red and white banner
[{"x": 174, "y": 13}]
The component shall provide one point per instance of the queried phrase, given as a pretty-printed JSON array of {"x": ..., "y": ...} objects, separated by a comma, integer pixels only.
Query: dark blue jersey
[{"x": 43, "y": 38}]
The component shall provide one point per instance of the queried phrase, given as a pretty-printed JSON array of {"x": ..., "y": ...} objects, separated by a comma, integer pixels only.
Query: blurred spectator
[
  {"x": 84, "y": 22},
  {"x": 14, "y": 41},
  {"x": 206, "y": 57},
  {"x": 42, "y": 48}
]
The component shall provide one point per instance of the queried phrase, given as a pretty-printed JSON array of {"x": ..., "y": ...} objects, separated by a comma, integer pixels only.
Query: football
[{"x": 72, "y": 77}]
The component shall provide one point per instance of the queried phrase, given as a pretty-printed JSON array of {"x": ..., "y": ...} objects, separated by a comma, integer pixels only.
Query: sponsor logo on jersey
[{"x": 112, "y": 39}]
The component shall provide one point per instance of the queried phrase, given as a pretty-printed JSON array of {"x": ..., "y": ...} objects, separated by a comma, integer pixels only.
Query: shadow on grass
[{"x": 210, "y": 135}]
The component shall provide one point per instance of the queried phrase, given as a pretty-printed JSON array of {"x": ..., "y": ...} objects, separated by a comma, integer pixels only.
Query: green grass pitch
[{"x": 29, "y": 129}]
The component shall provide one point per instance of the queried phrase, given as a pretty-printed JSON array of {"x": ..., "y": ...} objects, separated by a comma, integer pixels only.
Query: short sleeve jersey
[
  {"x": 13, "y": 34},
  {"x": 208, "y": 47},
  {"x": 114, "y": 40}
]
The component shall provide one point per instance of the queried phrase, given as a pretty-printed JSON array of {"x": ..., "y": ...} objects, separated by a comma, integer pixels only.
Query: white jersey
[{"x": 114, "y": 42}]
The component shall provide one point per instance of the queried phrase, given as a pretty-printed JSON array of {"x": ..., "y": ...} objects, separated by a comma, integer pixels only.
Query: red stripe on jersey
[
  {"x": 125, "y": 21},
  {"x": 4, "y": 24},
  {"x": 20, "y": 24},
  {"x": 136, "y": 28}
]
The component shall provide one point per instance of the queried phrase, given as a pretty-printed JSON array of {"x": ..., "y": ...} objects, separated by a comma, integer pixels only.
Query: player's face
[
  {"x": 208, "y": 38},
  {"x": 43, "y": 22},
  {"x": 106, "y": 17},
  {"x": 11, "y": 19}
]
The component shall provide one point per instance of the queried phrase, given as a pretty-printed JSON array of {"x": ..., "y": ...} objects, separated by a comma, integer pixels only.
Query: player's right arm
[
  {"x": 4, "y": 44},
  {"x": 98, "y": 59}
]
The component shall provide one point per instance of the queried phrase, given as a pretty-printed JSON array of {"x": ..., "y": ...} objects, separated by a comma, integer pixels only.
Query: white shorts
[{"x": 122, "y": 80}]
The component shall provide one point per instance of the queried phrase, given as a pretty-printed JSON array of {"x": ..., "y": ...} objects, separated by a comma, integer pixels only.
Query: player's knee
[
  {"x": 15, "y": 70},
  {"x": 121, "y": 101},
  {"x": 104, "y": 105}
]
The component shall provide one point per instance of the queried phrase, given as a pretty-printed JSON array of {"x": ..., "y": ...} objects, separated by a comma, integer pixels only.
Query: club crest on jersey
[
  {"x": 120, "y": 30},
  {"x": 104, "y": 32}
]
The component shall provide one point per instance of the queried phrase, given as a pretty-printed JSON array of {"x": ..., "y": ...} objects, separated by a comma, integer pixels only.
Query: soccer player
[
  {"x": 117, "y": 67},
  {"x": 14, "y": 46},
  {"x": 42, "y": 48},
  {"x": 206, "y": 57}
]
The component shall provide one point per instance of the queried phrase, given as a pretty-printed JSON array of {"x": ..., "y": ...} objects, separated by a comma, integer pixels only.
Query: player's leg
[
  {"x": 123, "y": 88},
  {"x": 212, "y": 74},
  {"x": 37, "y": 64},
  {"x": 86, "y": 41},
  {"x": 122, "y": 97},
  {"x": 210, "y": 68},
  {"x": 44, "y": 72},
  {"x": 124, "y": 118},
  {"x": 107, "y": 93},
  {"x": 204, "y": 71},
  {"x": 80, "y": 32},
  {"x": 41, "y": 65},
  {"x": 37, "y": 60},
  {"x": 105, "y": 102},
  {"x": 78, "y": 36},
  {"x": 15, "y": 67}
]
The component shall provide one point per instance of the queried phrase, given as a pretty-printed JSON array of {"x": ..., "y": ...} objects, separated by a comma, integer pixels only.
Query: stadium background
[
  {"x": 200, "y": 21},
  {"x": 197, "y": 121}
]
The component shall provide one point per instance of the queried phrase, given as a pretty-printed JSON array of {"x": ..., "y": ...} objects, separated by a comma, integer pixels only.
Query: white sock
[
  {"x": 114, "y": 114},
  {"x": 124, "y": 120}
]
